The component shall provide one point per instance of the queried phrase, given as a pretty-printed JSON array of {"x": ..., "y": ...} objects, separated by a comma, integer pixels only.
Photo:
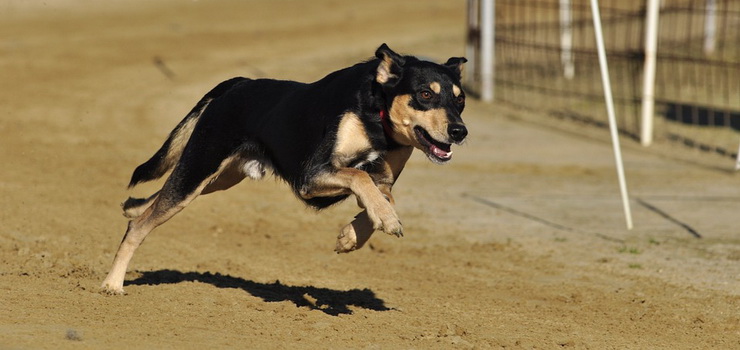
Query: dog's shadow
[{"x": 330, "y": 301}]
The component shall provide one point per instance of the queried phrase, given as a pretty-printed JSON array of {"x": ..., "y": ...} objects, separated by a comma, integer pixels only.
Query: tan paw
[
  {"x": 386, "y": 219},
  {"x": 347, "y": 240},
  {"x": 110, "y": 290}
]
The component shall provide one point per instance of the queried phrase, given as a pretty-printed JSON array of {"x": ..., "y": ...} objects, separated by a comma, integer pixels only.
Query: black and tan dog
[{"x": 348, "y": 133}]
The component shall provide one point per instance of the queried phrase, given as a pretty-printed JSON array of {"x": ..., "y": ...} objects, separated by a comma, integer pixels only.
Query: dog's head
[{"x": 424, "y": 102}]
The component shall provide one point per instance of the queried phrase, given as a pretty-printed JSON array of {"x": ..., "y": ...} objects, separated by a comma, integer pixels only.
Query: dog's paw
[
  {"x": 354, "y": 235},
  {"x": 396, "y": 229},
  {"x": 386, "y": 220},
  {"x": 109, "y": 290},
  {"x": 112, "y": 286},
  {"x": 347, "y": 240}
]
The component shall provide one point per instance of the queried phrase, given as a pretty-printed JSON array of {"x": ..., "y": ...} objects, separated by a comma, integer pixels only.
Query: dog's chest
[{"x": 352, "y": 147}]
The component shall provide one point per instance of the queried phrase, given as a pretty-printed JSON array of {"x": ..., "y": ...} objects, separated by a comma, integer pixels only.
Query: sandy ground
[{"x": 518, "y": 243}]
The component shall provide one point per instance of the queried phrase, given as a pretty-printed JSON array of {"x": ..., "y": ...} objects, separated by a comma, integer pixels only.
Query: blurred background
[{"x": 545, "y": 61}]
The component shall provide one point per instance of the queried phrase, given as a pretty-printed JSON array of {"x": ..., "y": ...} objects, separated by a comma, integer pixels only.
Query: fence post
[
  {"x": 472, "y": 44},
  {"x": 710, "y": 27},
  {"x": 488, "y": 52},
  {"x": 566, "y": 39},
  {"x": 648, "y": 83}
]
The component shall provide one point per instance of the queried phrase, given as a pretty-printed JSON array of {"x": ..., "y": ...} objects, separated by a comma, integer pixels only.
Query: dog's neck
[{"x": 386, "y": 121}]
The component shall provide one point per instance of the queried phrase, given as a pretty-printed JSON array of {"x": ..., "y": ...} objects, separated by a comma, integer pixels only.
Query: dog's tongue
[{"x": 440, "y": 153}]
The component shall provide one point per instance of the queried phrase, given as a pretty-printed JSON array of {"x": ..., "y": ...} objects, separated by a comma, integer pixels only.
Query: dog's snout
[{"x": 457, "y": 132}]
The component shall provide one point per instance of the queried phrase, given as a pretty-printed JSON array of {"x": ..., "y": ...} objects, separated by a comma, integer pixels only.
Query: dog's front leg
[
  {"x": 355, "y": 234},
  {"x": 350, "y": 180}
]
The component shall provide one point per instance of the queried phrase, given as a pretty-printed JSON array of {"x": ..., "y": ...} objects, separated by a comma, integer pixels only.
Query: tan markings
[
  {"x": 435, "y": 87},
  {"x": 405, "y": 118},
  {"x": 180, "y": 139},
  {"x": 335, "y": 183},
  {"x": 229, "y": 174},
  {"x": 434, "y": 121},
  {"x": 351, "y": 140},
  {"x": 400, "y": 118},
  {"x": 396, "y": 160},
  {"x": 384, "y": 74},
  {"x": 133, "y": 207},
  {"x": 183, "y": 135},
  {"x": 456, "y": 90}
]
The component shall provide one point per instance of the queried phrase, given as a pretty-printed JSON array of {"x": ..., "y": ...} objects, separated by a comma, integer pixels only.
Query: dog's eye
[
  {"x": 427, "y": 95},
  {"x": 460, "y": 100}
]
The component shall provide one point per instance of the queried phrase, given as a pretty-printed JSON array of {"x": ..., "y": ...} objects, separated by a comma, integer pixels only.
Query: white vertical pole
[
  {"x": 487, "y": 49},
  {"x": 610, "y": 110},
  {"x": 566, "y": 39},
  {"x": 710, "y": 27},
  {"x": 472, "y": 45},
  {"x": 648, "y": 83},
  {"x": 737, "y": 161}
]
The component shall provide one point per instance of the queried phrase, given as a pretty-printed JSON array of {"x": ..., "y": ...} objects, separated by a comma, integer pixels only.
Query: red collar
[{"x": 386, "y": 121}]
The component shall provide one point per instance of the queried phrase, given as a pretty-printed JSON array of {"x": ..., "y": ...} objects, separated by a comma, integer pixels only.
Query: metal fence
[{"x": 545, "y": 58}]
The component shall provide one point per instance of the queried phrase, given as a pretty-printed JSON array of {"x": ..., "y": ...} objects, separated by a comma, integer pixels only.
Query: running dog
[{"x": 349, "y": 133}]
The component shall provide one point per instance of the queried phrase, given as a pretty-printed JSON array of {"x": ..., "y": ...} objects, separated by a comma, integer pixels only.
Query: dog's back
[{"x": 285, "y": 121}]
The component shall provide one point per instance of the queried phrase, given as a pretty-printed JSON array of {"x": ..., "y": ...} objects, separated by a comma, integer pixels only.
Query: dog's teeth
[{"x": 438, "y": 152}]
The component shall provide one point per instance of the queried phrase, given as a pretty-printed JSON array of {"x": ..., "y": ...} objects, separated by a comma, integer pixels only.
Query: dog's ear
[
  {"x": 456, "y": 64},
  {"x": 390, "y": 69}
]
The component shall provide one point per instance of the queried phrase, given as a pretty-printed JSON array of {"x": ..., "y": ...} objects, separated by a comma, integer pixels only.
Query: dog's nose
[{"x": 457, "y": 132}]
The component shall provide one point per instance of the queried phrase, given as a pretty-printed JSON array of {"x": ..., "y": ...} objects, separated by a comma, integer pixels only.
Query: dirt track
[{"x": 518, "y": 243}]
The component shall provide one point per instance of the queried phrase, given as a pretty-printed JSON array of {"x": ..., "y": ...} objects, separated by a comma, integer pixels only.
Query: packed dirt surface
[{"x": 519, "y": 242}]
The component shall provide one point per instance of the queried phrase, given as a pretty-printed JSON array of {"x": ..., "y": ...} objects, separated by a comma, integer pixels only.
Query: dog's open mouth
[{"x": 437, "y": 151}]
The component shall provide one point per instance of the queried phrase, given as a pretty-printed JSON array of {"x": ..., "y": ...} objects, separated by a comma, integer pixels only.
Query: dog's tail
[{"x": 169, "y": 154}]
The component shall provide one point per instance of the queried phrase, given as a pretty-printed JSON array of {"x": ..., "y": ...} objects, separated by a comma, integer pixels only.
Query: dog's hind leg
[
  {"x": 160, "y": 211},
  {"x": 187, "y": 181},
  {"x": 233, "y": 172}
]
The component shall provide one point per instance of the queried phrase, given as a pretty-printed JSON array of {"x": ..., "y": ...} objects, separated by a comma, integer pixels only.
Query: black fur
[
  {"x": 292, "y": 124},
  {"x": 351, "y": 132}
]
